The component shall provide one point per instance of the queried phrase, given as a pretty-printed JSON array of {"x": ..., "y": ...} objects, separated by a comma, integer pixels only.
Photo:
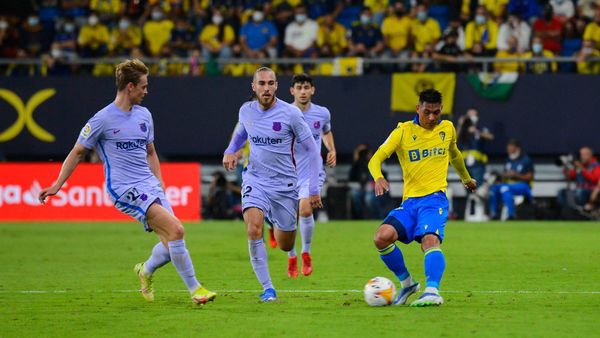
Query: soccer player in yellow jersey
[{"x": 424, "y": 147}]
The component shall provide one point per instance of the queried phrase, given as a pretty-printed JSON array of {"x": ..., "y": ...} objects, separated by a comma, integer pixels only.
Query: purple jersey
[
  {"x": 272, "y": 134},
  {"x": 318, "y": 119},
  {"x": 121, "y": 140}
]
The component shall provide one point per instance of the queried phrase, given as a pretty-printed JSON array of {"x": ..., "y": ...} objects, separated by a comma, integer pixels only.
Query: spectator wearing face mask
[
  {"x": 301, "y": 35},
  {"x": 511, "y": 52},
  {"x": 259, "y": 37},
  {"x": 366, "y": 39},
  {"x": 396, "y": 31},
  {"x": 65, "y": 39},
  {"x": 93, "y": 38},
  {"x": 517, "y": 28},
  {"x": 124, "y": 37},
  {"x": 483, "y": 30},
  {"x": 217, "y": 37},
  {"x": 157, "y": 31},
  {"x": 424, "y": 30},
  {"x": 538, "y": 51},
  {"x": 331, "y": 38},
  {"x": 33, "y": 39}
]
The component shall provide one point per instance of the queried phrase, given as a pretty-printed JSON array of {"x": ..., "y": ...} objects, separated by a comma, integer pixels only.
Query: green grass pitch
[{"x": 517, "y": 279}]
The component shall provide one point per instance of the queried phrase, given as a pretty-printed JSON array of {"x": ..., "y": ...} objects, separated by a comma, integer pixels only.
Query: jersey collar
[{"x": 416, "y": 120}]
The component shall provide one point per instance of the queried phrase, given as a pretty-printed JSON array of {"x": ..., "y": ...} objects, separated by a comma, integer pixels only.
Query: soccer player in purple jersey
[
  {"x": 123, "y": 135},
  {"x": 318, "y": 119},
  {"x": 274, "y": 129}
]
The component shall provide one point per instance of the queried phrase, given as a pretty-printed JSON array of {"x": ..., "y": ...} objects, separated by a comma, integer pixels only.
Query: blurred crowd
[{"x": 197, "y": 30}]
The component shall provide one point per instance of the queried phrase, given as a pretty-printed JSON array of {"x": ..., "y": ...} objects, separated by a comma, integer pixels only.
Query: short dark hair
[
  {"x": 514, "y": 142},
  {"x": 301, "y": 78},
  {"x": 430, "y": 96}
]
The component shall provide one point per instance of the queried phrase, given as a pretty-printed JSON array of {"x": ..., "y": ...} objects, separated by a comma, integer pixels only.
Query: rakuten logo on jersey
[{"x": 78, "y": 196}]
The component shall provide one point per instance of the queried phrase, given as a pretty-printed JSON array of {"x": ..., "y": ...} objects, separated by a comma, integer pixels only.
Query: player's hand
[
  {"x": 381, "y": 186},
  {"x": 229, "y": 161},
  {"x": 45, "y": 193},
  {"x": 331, "y": 160},
  {"x": 315, "y": 201},
  {"x": 471, "y": 185}
]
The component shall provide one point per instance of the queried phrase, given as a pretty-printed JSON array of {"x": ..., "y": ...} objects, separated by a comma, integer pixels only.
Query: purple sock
[
  {"x": 260, "y": 264},
  {"x": 183, "y": 263},
  {"x": 307, "y": 227},
  {"x": 159, "y": 257}
]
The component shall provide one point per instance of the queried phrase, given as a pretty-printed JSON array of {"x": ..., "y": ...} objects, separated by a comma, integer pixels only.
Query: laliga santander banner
[{"x": 83, "y": 197}]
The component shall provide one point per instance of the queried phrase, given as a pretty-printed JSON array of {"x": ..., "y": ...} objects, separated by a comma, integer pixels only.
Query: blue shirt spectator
[
  {"x": 526, "y": 9},
  {"x": 258, "y": 35}
]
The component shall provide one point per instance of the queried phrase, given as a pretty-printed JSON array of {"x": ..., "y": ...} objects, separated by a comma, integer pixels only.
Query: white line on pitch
[{"x": 308, "y": 291}]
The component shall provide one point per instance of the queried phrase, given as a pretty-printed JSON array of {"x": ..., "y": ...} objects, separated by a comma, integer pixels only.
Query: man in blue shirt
[
  {"x": 258, "y": 37},
  {"x": 517, "y": 180}
]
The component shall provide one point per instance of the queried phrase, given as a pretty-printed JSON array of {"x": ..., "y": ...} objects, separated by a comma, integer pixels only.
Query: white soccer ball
[{"x": 379, "y": 291}]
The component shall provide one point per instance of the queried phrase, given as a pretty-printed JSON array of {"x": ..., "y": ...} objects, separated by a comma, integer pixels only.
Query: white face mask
[
  {"x": 217, "y": 19},
  {"x": 365, "y": 19},
  {"x": 93, "y": 20},
  {"x": 474, "y": 119},
  {"x": 258, "y": 16},
  {"x": 55, "y": 53},
  {"x": 300, "y": 17},
  {"x": 514, "y": 155},
  {"x": 33, "y": 21},
  {"x": 3, "y": 24},
  {"x": 69, "y": 27},
  {"x": 123, "y": 24},
  {"x": 156, "y": 15}
]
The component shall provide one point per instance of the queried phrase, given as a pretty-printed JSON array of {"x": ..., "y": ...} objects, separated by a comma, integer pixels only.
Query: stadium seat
[{"x": 440, "y": 13}]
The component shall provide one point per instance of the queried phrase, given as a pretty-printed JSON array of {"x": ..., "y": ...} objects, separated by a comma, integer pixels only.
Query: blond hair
[{"x": 129, "y": 71}]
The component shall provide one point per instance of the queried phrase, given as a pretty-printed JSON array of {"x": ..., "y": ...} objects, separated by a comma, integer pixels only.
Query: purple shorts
[
  {"x": 136, "y": 200},
  {"x": 278, "y": 202}
]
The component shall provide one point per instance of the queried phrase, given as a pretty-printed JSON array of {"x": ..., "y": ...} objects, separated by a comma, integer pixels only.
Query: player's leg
[
  {"x": 254, "y": 219},
  {"x": 272, "y": 239},
  {"x": 494, "y": 198},
  {"x": 508, "y": 199},
  {"x": 307, "y": 229},
  {"x": 160, "y": 256},
  {"x": 433, "y": 213},
  {"x": 170, "y": 230},
  {"x": 394, "y": 228}
]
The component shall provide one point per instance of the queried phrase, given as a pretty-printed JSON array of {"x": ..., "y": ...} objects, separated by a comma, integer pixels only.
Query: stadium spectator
[
  {"x": 56, "y": 64},
  {"x": 378, "y": 8},
  {"x": 301, "y": 35},
  {"x": 584, "y": 66},
  {"x": 471, "y": 139},
  {"x": 65, "y": 39},
  {"x": 495, "y": 8},
  {"x": 483, "y": 30},
  {"x": 563, "y": 9},
  {"x": 424, "y": 30},
  {"x": 585, "y": 172},
  {"x": 574, "y": 28},
  {"x": 585, "y": 8},
  {"x": 331, "y": 38},
  {"x": 592, "y": 204},
  {"x": 515, "y": 181},
  {"x": 517, "y": 28},
  {"x": 157, "y": 31},
  {"x": 366, "y": 39},
  {"x": 592, "y": 30},
  {"x": 527, "y": 9},
  {"x": 449, "y": 52},
  {"x": 33, "y": 38},
  {"x": 456, "y": 26},
  {"x": 258, "y": 37},
  {"x": 93, "y": 38},
  {"x": 9, "y": 38},
  {"x": 106, "y": 10},
  {"x": 538, "y": 51},
  {"x": 478, "y": 50},
  {"x": 361, "y": 179},
  {"x": 183, "y": 37},
  {"x": 223, "y": 198},
  {"x": 133, "y": 9},
  {"x": 396, "y": 32},
  {"x": 549, "y": 29},
  {"x": 426, "y": 54},
  {"x": 124, "y": 37},
  {"x": 217, "y": 38},
  {"x": 511, "y": 52}
]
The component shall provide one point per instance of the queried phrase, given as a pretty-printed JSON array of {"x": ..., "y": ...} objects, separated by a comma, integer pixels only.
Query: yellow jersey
[{"x": 424, "y": 156}]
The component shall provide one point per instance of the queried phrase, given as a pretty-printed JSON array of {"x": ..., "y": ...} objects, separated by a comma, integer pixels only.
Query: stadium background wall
[{"x": 195, "y": 116}]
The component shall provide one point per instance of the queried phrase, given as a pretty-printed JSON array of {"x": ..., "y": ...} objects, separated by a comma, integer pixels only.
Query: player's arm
[
  {"x": 76, "y": 155},
  {"x": 331, "y": 160},
  {"x": 237, "y": 142},
  {"x": 154, "y": 163},
  {"x": 457, "y": 161},
  {"x": 384, "y": 152}
]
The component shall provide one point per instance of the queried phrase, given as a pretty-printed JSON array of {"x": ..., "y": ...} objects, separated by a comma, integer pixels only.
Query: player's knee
[
  {"x": 306, "y": 212},
  {"x": 430, "y": 241},
  {"x": 177, "y": 231},
  {"x": 383, "y": 239},
  {"x": 286, "y": 246},
  {"x": 254, "y": 230}
]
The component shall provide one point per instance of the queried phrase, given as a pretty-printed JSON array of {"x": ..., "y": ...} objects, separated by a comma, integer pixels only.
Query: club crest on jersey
[
  {"x": 442, "y": 135},
  {"x": 277, "y": 126},
  {"x": 143, "y": 127},
  {"x": 317, "y": 124}
]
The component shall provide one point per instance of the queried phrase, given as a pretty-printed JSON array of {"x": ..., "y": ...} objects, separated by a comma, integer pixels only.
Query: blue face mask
[
  {"x": 33, "y": 21},
  {"x": 69, "y": 27},
  {"x": 480, "y": 19},
  {"x": 537, "y": 48},
  {"x": 422, "y": 16}
]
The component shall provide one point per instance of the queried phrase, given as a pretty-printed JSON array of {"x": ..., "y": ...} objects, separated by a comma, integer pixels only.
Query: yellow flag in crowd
[{"x": 407, "y": 86}]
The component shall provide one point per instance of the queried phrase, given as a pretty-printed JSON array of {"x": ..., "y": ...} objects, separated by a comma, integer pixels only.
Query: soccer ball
[{"x": 379, "y": 291}]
